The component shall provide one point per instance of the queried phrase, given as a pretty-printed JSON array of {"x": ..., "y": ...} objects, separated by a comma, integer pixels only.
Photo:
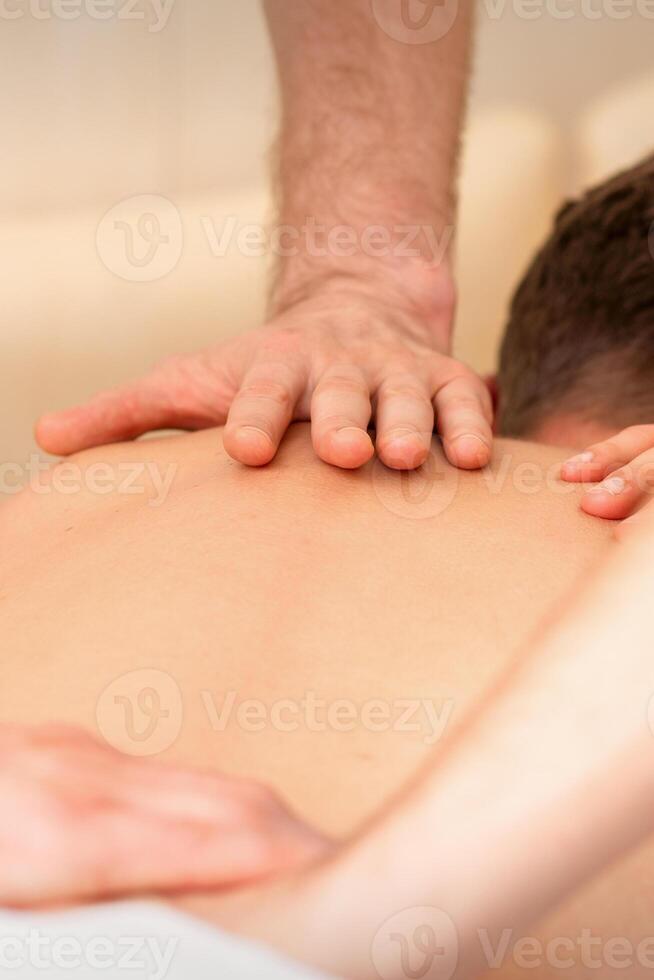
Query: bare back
[{"x": 317, "y": 629}]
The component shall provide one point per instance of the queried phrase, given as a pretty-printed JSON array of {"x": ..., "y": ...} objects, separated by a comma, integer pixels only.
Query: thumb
[{"x": 124, "y": 413}]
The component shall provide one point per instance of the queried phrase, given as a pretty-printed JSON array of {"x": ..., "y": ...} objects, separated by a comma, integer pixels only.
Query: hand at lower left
[{"x": 81, "y": 821}]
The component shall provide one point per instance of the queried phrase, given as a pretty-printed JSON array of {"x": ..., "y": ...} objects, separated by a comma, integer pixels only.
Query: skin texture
[
  {"x": 138, "y": 587},
  {"x": 357, "y": 329},
  {"x": 392, "y": 600},
  {"x": 536, "y": 791}
]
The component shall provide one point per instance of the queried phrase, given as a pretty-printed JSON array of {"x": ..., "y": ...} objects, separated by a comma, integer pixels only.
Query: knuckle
[
  {"x": 404, "y": 391},
  {"x": 388, "y": 436},
  {"x": 334, "y": 421},
  {"x": 271, "y": 391},
  {"x": 402, "y": 387},
  {"x": 456, "y": 371},
  {"x": 282, "y": 340},
  {"x": 342, "y": 384},
  {"x": 610, "y": 451},
  {"x": 461, "y": 403}
]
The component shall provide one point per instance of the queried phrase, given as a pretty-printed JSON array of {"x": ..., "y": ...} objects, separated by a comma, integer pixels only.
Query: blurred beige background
[{"x": 180, "y": 102}]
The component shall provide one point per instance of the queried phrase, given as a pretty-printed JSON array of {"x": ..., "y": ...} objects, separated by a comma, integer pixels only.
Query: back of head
[{"x": 580, "y": 337}]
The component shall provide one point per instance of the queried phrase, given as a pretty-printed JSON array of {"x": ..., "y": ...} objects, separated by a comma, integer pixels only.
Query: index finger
[
  {"x": 263, "y": 409},
  {"x": 603, "y": 458}
]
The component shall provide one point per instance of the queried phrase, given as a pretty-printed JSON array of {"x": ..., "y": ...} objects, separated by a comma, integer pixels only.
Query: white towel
[{"x": 134, "y": 940}]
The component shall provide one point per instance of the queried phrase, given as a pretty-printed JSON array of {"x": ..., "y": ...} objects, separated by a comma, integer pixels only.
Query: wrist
[{"x": 419, "y": 294}]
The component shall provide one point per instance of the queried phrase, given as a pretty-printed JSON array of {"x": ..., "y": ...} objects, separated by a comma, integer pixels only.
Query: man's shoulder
[{"x": 521, "y": 485}]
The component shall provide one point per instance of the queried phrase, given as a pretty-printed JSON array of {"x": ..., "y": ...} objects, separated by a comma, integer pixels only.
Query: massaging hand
[
  {"x": 81, "y": 821},
  {"x": 325, "y": 359},
  {"x": 623, "y": 469}
]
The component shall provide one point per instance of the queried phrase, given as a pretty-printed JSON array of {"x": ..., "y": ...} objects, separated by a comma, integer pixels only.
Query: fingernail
[
  {"x": 350, "y": 440},
  {"x": 350, "y": 433},
  {"x": 614, "y": 485},
  {"x": 471, "y": 446},
  {"x": 580, "y": 459},
  {"x": 406, "y": 451},
  {"x": 253, "y": 432}
]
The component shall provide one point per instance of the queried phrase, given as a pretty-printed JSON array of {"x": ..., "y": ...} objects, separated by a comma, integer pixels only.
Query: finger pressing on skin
[
  {"x": 624, "y": 491},
  {"x": 262, "y": 411},
  {"x": 464, "y": 413},
  {"x": 340, "y": 413},
  {"x": 603, "y": 458},
  {"x": 404, "y": 421}
]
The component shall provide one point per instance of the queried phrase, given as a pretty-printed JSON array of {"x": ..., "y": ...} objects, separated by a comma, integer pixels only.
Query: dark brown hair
[{"x": 580, "y": 336}]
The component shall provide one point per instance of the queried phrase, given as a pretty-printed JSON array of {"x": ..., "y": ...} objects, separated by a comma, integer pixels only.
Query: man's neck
[{"x": 571, "y": 432}]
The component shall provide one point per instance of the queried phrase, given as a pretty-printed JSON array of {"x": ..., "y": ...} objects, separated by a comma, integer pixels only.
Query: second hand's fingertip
[
  {"x": 578, "y": 469},
  {"x": 578, "y": 474},
  {"x": 569, "y": 473},
  {"x": 604, "y": 503},
  {"x": 600, "y": 510}
]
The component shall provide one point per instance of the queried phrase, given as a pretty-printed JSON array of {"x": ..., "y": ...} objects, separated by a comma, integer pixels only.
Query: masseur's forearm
[
  {"x": 360, "y": 326},
  {"x": 369, "y": 138},
  {"x": 552, "y": 779}
]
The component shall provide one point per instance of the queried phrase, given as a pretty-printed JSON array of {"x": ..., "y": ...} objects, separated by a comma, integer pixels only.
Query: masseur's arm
[
  {"x": 363, "y": 301},
  {"x": 552, "y": 778}
]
